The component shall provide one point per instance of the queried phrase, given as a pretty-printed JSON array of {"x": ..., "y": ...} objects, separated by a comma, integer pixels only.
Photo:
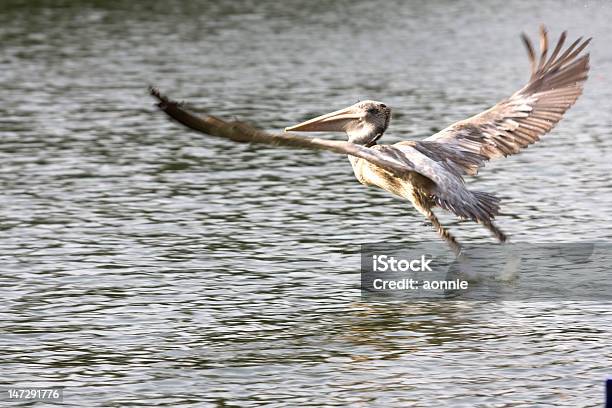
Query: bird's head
[{"x": 364, "y": 122}]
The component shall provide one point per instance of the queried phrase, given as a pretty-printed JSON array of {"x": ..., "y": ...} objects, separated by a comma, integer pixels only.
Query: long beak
[{"x": 331, "y": 122}]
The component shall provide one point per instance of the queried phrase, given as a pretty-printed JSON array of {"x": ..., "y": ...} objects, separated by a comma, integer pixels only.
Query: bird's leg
[
  {"x": 497, "y": 233},
  {"x": 443, "y": 232},
  {"x": 422, "y": 202}
]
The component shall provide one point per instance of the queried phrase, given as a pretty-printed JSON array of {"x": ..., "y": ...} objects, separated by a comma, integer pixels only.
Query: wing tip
[
  {"x": 530, "y": 51},
  {"x": 163, "y": 101},
  {"x": 154, "y": 91},
  {"x": 558, "y": 61}
]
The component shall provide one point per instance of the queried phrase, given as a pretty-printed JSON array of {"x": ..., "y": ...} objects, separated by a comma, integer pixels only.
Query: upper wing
[
  {"x": 242, "y": 132},
  {"x": 531, "y": 112}
]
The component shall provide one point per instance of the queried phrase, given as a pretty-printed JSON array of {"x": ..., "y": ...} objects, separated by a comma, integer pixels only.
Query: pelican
[{"x": 429, "y": 173}]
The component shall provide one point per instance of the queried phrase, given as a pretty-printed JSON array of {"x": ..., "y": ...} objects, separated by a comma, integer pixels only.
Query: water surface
[{"x": 145, "y": 265}]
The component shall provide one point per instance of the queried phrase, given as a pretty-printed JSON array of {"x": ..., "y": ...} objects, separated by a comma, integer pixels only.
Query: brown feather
[
  {"x": 520, "y": 120},
  {"x": 530, "y": 52}
]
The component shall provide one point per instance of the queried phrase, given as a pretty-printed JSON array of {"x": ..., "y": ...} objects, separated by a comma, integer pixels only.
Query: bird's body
[
  {"x": 429, "y": 173},
  {"x": 420, "y": 190},
  {"x": 413, "y": 187}
]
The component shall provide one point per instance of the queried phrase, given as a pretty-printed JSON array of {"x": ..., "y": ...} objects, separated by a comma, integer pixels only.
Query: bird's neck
[
  {"x": 357, "y": 165},
  {"x": 364, "y": 135}
]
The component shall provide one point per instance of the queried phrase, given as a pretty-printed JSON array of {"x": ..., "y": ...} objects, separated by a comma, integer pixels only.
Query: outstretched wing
[
  {"x": 520, "y": 120},
  {"x": 244, "y": 133}
]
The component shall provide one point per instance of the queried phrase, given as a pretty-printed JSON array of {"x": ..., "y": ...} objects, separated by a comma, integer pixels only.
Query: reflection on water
[{"x": 141, "y": 262}]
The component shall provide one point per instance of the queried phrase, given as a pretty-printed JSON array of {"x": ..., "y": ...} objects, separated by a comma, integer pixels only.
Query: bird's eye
[
  {"x": 372, "y": 111},
  {"x": 382, "y": 105}
]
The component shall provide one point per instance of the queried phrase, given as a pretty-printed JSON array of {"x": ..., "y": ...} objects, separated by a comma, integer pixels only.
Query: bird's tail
[
  {"x": 472, "y": 205},
  {"x": 476, "y": 206},
  {"x": 487, "y": 204}
]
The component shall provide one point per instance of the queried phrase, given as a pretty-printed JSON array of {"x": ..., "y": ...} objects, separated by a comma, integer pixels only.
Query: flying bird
[{"x": 429, "y": 173}]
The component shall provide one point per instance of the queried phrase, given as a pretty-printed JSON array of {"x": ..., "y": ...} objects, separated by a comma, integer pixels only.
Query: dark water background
[{"x": 144, "y": 265}]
